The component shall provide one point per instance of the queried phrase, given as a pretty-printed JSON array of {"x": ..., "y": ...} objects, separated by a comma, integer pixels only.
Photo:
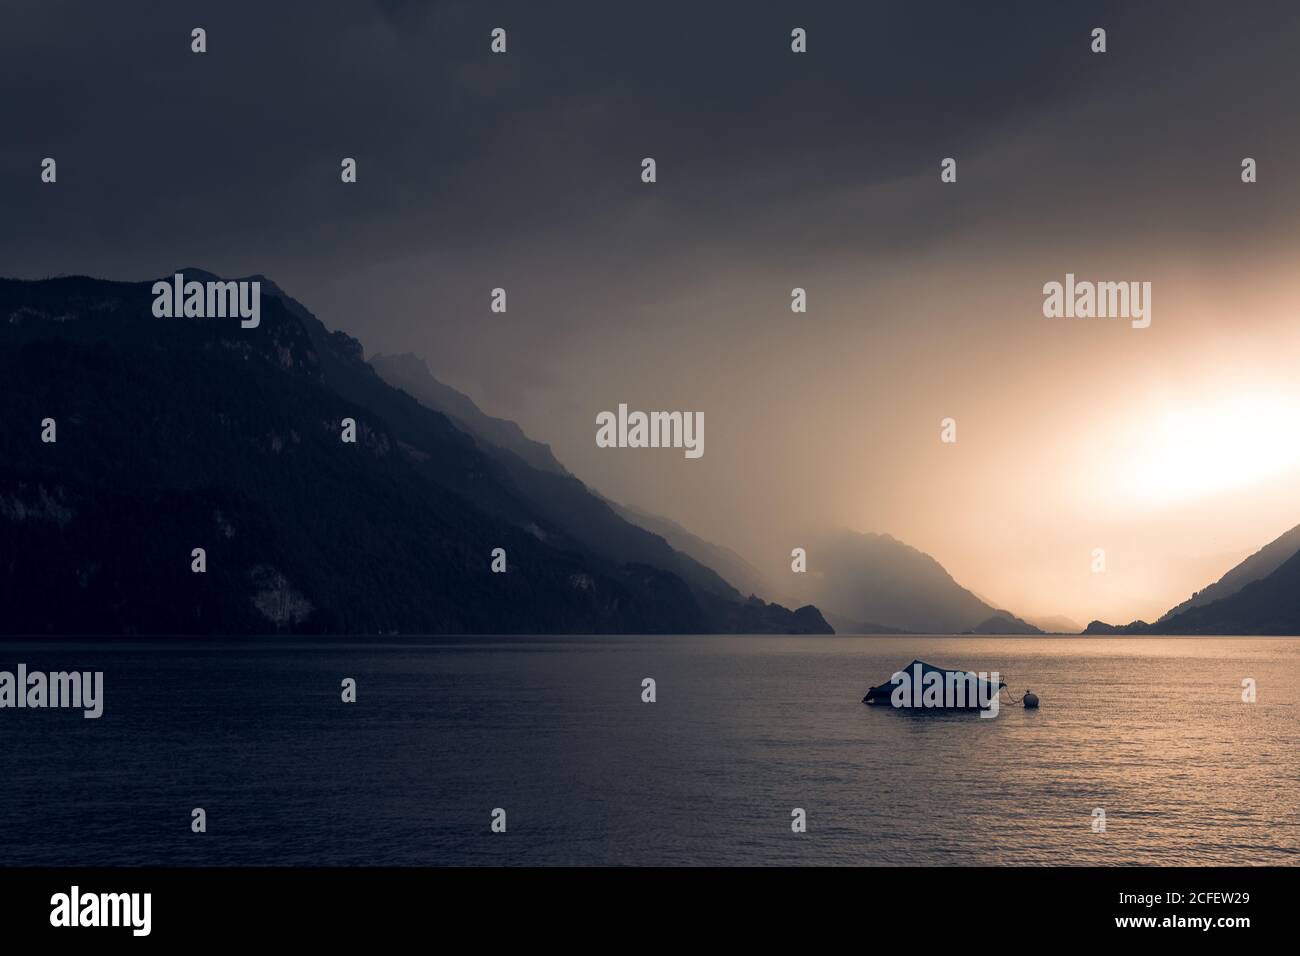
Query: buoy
[{"x": 1031, "y": 700}]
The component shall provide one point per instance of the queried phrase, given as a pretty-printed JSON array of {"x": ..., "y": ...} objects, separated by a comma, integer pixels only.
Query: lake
[{"x": 1152, "y": 731}]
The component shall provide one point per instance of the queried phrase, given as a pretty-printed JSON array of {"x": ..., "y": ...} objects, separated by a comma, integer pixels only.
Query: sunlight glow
[{"x": 1212, "y": 445}]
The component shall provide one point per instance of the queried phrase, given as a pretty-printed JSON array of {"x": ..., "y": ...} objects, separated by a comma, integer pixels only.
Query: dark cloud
[
  {"x": 235, "y": 153},
  {"x": 527, "y": 165}
]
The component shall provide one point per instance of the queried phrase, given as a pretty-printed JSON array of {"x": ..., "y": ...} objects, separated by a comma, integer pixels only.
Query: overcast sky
[{"x": 1172, "y": 447}]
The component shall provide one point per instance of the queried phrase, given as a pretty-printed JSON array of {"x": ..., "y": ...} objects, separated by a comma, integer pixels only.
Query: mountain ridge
[
  {"x": 1258, "y": 596},
  {"x": 1258, "y": 565},
  {"x": 181, "y": 433},
  {"x": 867, "y": 576},
  {"x": 412, "y": 375}
]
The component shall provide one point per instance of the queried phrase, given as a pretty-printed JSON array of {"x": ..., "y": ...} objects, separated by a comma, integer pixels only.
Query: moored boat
[{"x": 925, "y": 686}]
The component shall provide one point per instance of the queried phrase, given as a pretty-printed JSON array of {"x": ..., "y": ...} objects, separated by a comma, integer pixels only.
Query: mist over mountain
[
  {"x": 929, "y": 586},
  {"x": 411, "y": 374},
  {"x": 174, "y": 434},
  {"x": 877, "y": 578},
  {"x": 927, "y": 597},
  {"x": 845, "y": 625},
  {"x": 586, "y": 516},
  {"x": 737, "y": 572},
  {"x": 1261, "y": 595},
  {"x": 1056, "y": 624}
]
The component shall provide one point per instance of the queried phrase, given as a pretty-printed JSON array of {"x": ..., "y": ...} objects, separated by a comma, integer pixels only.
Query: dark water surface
[{"x": 1153, "y": 731}]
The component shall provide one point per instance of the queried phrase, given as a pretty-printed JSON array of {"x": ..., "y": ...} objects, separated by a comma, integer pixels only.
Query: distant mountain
[
  {"x": 184, "y": 433},
  {"x": 1102, "y": 628},
  {"x": 875, "y": 577},
  {"x": 844, "y": 625},
  {"x": 755, "y": 616},
  {"x": 1261, "y": 595},
  {"x": 1003, "y": 624},
  {"x": 1056, "y": 624}
]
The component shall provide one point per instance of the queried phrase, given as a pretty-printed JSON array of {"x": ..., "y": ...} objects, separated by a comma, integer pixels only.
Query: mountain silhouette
[
  {"x": 877, "y": 578},
  {"x": 1261, "y": 595},
  {"x": 1269, "y": 605},
  {"x": 184, "y": 433},
  {"x": 1259, "y": 565},
  {"x": 1003, "y": 623}
]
